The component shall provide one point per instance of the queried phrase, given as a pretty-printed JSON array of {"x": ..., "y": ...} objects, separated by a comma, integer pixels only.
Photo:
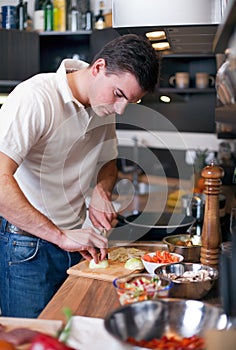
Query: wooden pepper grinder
[{"x": 211, "y": 232}]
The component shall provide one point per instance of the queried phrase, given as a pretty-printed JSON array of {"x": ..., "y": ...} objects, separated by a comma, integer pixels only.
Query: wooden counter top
[
  {"x": 84, "y": 296},
  {"x": 87, "y": 296},
  {"x": 94, "y": 298}
]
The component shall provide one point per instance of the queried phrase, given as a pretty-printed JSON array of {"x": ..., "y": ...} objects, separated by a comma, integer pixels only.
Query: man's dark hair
[{"x": 134, "y": 54}]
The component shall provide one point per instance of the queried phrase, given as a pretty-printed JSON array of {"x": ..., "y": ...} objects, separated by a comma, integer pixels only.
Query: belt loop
[{"x": 3, "y": 224}]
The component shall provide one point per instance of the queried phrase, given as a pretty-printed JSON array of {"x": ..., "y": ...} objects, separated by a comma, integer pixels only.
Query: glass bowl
[{"x": 141, "y": 286}]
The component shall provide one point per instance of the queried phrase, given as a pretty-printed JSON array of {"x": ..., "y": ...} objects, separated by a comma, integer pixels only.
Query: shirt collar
[{"x": 68, "y": 65}]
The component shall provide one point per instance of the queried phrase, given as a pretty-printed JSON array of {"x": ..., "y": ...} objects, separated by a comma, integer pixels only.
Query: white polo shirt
[{"x": 59, "y": 148}]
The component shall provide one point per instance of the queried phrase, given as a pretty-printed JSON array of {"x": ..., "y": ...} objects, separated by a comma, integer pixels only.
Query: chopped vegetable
[
  {"x": 65, "y": 333},
  {"x": 103, "y": 264},
  {"x": 47, "y": 342},
  {"x": 195, "y": 240},
  {"x": 134, "y": 264},
  {"x": 141, "y": 288},
  {"x": 161, "y": 257},
  {"x": 192, "y": 276},
  {"x": 5, "y": 345},
  {"x": 122, "y": 254},
  {"x": 172, "y": 343}
]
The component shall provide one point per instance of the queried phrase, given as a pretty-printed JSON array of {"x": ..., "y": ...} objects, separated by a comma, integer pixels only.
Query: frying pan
[{"x": 155, "y": 226}]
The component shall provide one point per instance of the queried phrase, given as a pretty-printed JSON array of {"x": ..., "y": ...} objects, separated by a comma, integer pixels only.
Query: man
[{"x": 57, "y": 139}]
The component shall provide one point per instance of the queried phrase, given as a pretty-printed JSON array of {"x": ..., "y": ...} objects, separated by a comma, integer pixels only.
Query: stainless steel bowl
[
  {"x": 190, "y": 253},
  {"x": 196, "y": 289},
  {"x": 155, "y": 318}
]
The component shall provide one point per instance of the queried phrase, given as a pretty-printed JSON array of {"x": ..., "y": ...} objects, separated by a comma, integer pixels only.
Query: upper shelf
[
  {"x": 225, "y": 29},
  {"x": 186, "y": 91},
  {"x": 9, "y": 83},
  {"x": 67, "y": 32}
]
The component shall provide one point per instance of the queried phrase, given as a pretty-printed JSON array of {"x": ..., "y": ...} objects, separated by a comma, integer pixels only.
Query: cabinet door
[
  {"x": 19, "y": 57},
  {"x": 55, "y": 46}
]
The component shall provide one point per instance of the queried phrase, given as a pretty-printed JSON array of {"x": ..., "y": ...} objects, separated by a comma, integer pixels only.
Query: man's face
[{"x": 111, "y": 93}]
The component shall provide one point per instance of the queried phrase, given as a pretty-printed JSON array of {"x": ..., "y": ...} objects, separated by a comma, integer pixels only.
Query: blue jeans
[{"x": 31, "y": 271}]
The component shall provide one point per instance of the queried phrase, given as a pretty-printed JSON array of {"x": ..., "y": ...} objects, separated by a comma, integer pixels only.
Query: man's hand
[
  {"x": 85, "y": 241},
  {"x": 101, "y": 211}
]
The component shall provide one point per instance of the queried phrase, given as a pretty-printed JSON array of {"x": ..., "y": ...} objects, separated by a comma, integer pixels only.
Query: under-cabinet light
[
  {"x": 164, "y": 45},
  {"x": 165, "y": 98},
  {"x": 156, "y": 35}
]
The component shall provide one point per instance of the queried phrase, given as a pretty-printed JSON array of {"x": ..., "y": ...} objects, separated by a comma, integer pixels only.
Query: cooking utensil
[
  {"x": 190, "y": 253},
  {"x": 196, "y": 289},
  {"x": 154, "y": 225},
  {"x": 154, "y": 318},
  {"x": 194, "y": 205}
]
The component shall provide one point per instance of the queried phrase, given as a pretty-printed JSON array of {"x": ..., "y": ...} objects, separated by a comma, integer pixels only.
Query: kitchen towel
[{"x": 89, "y": 333}]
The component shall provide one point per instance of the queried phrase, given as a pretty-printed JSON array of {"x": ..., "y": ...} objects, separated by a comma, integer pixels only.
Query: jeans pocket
[{"x": 23, "y": 249}]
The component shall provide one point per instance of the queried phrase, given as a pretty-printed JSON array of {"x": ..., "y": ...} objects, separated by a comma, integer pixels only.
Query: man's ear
[{"x": 98, "y": 66}]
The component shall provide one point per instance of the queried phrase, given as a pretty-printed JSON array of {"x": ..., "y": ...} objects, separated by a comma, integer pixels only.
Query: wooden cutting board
[
  {"x": 51, "y": 327},
  {"x": 114, "y": 270},
  {"x": 45, "y": 326}
]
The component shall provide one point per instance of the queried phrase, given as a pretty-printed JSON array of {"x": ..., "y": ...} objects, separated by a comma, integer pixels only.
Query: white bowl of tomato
[{"x": 161, "y": 257}]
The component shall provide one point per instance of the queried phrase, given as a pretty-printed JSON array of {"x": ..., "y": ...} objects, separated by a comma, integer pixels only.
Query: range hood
[{"x": 190, "y": 25}]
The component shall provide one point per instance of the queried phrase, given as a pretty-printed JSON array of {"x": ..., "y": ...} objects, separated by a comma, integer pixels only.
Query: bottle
[
  {"x": 88, "y": 18},
  {"x": 38, "y": 16},
  {"x": 59, "y": 15},
  {"x": 74, "y": 16},
  {"x": 100, "y": 19},
  {"x": 20, "y": 15},
  {"x": 28, "y": 20},
  {"x": 48, "y": 15}
]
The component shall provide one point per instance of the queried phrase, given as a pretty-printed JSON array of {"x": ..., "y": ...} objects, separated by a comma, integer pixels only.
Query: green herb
[{"x": 64, "y": 335}]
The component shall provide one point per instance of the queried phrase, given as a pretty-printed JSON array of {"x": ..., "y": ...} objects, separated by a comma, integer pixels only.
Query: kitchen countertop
[
  {"x": 155, "y": 201},
  {"x": 158, "y": 180},
  {"x": 93, "y": 298},
  {"x": 84, "y": 296}
]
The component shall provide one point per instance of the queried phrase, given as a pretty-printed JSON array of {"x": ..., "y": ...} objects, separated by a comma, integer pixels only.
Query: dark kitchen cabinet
[
  {"x": 26, "y": 53},
  {"x": 19, "y": 58},
  {"x": 55, "y": 46},
  {"x": 190, "y": 109},
  {"x": 192, "y": 64},
  {"x": 225, "y": 113}
]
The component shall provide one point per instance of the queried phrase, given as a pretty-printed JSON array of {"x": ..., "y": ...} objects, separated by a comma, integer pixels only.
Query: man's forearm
[
  {"x": 107, "y": 178},
  {"x": 15, "y": 207}
]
